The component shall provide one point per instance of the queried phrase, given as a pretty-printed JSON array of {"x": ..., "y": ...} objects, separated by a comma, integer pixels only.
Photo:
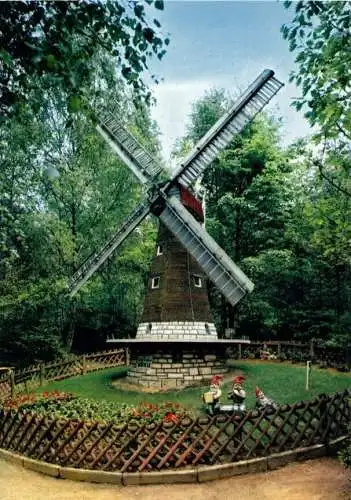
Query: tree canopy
[
  {"x": 281, "y": 213},
  {"x": 58, "y": 41},
  {"x": 320, "y": 34},
  {"x": 283, "y": 224}
]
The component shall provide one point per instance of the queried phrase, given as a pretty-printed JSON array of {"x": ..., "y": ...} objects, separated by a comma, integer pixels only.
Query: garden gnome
[
  {"x": 216, "y": 392},
  {"x": 263, "y": 401},
  {"x": 238, "y": 394}
]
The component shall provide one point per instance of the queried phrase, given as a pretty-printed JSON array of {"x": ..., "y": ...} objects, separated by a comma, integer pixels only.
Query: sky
[{"x": 222, "y": 44}]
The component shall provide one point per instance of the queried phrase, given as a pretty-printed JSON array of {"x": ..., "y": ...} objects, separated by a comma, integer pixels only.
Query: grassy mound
[{"x": 283, "y": 382}]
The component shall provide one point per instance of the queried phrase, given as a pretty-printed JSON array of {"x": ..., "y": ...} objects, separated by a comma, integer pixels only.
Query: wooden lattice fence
[
  {"x": 34, "y": 376},
  {"x": 136, "y": 446}
]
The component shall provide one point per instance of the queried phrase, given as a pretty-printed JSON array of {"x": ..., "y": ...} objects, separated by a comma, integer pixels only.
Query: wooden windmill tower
[{"x": 176, "y": 342}]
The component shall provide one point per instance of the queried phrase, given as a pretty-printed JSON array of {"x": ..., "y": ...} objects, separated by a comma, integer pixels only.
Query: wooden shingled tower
[
  {"x": 177, "y": 289},
  {"x": 176, "y": 343}
]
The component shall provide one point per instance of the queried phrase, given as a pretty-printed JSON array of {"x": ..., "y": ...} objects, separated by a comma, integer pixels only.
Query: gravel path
[{"x": 322, "y": 479}]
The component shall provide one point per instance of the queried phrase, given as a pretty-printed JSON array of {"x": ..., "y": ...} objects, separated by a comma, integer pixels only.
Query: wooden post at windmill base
[
  {"x": 84, "y": 364},
  {"x": 42, "y": 374},
  {"x": 12, "y": 382}
]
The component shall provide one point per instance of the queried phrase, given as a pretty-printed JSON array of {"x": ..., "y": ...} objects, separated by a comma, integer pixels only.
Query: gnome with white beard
[{"x": 263, "y": 401}]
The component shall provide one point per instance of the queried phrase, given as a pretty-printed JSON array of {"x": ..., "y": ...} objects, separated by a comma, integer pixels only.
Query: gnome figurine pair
[{"x": 237, "y": 394}]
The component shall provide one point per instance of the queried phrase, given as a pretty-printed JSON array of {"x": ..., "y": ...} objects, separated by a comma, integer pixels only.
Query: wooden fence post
[
  {"x": 239, "y": 351},
  {"x": 279, "y": 350},
  {"x": 127, "y": 356},
  {"x": 12, "y": 382},
  {"x": 325, "y": 418},
  {"x": 308, "y": 373},
  {"x": 42, "y": 374},
  {"x": 84, "y": 365}
]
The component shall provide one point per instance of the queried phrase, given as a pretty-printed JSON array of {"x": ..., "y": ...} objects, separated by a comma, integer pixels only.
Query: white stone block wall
[
  {"x": 191, "y": 368},
  {"x": 177, "y": 330}
]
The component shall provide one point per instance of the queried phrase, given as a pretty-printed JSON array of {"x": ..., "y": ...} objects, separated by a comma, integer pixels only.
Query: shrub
[
  {"x": 345, "y": 454},
  {"x": 296, "y": 357},
  {"x": 342, "y": 368},
  {"x": 288, "y": 354}
]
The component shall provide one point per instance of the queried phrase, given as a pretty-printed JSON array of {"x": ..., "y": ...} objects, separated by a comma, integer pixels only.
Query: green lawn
[{"x": 283, "y": 382}]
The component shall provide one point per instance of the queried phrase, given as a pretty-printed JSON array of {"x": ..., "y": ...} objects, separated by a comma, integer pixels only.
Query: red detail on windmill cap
[
  {"x": 239, "y": 379},
  {"x": 191, "y": 203},
  {"x": 258, "y": 392},
  {"x": 216, "y": 379}
]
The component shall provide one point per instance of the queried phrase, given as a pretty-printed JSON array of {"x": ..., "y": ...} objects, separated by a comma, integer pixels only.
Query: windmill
[{"x": 176, "y": 342}]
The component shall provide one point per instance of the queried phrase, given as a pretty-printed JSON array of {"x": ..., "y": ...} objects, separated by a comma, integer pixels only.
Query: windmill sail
[
  {"x": 98, "y": 258},
  {"x": 220, "y": 269},
  {"x": 229, "y": 279},
  {"x": 126, "y": 146},
  {"x": 258, "y": 94}
]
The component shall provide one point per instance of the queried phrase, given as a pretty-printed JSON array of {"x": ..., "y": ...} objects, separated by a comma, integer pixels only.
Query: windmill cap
[
  {"x": 191, "y": 203},
  {"x": 238, "y": 379}
]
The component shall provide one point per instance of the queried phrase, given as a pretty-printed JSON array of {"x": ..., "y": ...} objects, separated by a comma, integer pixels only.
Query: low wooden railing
[
  {"x": 291, "y": 350},
  {"x": 137, "y": 446},
  {"x": 35, "y": 376}
]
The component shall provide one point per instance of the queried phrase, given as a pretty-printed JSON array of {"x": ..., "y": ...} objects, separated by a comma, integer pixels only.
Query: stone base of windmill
[
  {"x": 169, "y": 361},
  {"x": 169, "y": 368}
]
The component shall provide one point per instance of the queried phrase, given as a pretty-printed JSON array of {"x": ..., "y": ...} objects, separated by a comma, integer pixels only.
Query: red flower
[{"x": 170, "y": 417}]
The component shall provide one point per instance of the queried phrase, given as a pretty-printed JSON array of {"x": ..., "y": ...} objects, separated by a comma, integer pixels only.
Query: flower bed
[{"x": 58, "y": 404}]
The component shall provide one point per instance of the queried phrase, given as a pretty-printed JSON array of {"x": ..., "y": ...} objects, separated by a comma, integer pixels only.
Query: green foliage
[
  {"x": 81, "y": 408},
  {"x": 320, "y": 35},
  {"x": 57, "y": 42},
  {"x": 53, "y": 223},
  {"x": 284, "y": 224},
  {"x": 205, "y": 112},
  {"x": 62, "y": 404}
]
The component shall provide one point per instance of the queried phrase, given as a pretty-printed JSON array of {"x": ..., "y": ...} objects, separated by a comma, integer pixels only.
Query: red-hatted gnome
[
  {"x": 238, "y": 394},
  {"x": 263, "y": 401},
  {"x": 215, "y": 390}
]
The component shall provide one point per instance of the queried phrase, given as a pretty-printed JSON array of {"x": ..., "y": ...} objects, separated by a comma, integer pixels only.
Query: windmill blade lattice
[
  {"x": 230, "y": 280},
  {"x": 98, "y": 258},
  {"x": 220, "y": 269},
  {"x": 258, "y": 94},
  {"x": 128, "y": 148}
]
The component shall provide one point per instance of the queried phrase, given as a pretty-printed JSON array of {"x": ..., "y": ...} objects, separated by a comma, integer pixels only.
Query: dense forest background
[{"x": 282, "y": 214}]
